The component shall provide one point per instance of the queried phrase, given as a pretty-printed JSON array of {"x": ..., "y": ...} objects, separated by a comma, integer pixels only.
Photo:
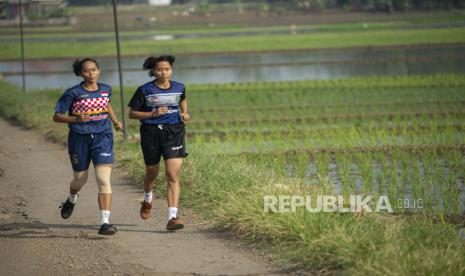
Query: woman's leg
[
  {"x": 102, "y": 176},
  {"x": 151, "y": 173},
  {"x": 173, "y": 167},
  {"x": 79, "y": 180},
  {"x": 80, "y": 160}
]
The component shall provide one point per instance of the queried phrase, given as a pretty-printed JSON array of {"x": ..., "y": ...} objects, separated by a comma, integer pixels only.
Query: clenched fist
[
  {"x": 185, "y": 117},
  {"x": 162, "y": 110}
]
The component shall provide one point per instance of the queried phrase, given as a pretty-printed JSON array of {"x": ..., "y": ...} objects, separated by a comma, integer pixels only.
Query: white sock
[
  {"x": 172, "y": 211},
  {"x": 148, "y": 197},
  {"x": 104, "y": 216},
  {"x": 73, "y": 198}
]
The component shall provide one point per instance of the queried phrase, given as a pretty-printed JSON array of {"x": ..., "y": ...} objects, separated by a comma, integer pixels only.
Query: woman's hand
[
  {"x": 185, "y": 117},
  {"x": 160, "y": 111},
  {"x": 118, "y": 126},
  {"x": 82, "y": 118}
]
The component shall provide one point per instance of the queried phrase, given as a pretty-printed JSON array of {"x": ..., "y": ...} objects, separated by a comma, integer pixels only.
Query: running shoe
[
  {"x": 146, "y": 210},
  {"x": 107, "y": 229},
  {"x": 174, "y": 224},
  {"x": 67, "y": 209}
]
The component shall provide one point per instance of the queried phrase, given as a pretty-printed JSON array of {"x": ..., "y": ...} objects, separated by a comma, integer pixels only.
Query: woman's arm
[
  {"x": 64, "y": 118},
  {"x": 63, "y": 107},
  {"x": 184, "y": 114},
  {"x": 113, "y": 118},
  {"x": 139, "y": 115}
]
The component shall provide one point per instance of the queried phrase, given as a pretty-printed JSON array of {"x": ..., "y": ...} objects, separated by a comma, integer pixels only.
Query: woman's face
[
  {"x": 163, "y": 71},
  {"x": 90, "y": 71}
]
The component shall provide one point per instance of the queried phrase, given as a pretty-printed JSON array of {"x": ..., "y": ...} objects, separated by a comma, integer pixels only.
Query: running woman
[
  {"x": 161, "y": 107},
  {"x": 87, "y": 110}
]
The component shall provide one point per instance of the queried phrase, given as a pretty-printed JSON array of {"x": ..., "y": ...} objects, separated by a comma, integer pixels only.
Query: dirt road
[{"x": 34, "y": 179}]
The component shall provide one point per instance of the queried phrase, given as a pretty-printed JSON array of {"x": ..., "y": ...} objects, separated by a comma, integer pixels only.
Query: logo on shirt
[
  {"x": 152, "y": 100},
  {"x": 83, "y": 96},
  {"x": 167, "y": 99},
  {"x": 104, "y": 94}
]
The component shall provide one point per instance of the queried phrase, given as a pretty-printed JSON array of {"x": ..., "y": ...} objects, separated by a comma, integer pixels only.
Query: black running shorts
[{"x": 162, "y": 140}]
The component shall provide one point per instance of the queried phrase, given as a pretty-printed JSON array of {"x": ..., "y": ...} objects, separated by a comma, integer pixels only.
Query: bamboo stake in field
[
  {"x": 21, "y": 32},
  {"x": 118, "y": 52}
]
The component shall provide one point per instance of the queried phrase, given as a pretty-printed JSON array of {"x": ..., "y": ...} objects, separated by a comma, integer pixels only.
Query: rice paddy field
[
  {"x": 62, "y": 49},
  {"x": 399, "y": 137}
]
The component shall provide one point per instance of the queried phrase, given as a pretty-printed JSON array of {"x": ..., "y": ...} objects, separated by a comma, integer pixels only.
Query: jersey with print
[
  {"x": 149, "y": 97},
  {"x": 77, "y": 100}
]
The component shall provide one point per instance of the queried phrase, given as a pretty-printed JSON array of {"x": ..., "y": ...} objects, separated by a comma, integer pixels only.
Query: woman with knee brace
[
  {"x": 87, "y": 110},
  {"x": 161, "y": 107}
]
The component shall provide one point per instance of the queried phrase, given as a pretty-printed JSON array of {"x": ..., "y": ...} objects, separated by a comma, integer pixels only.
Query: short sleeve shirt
[
  {"x": 149, "y": 97},
  {"x": 77, "y": 100}
]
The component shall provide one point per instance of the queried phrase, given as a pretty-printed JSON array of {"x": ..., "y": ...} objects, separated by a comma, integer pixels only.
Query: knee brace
[
  {"x": 102, "y": 175},
  {"x": 79, "y": 179}
]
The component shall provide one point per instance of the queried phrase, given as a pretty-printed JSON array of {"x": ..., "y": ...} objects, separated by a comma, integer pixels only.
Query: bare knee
[
  {"x": 151, "y": 173},
  {"x": 172, "y": 177},
  {"x": 102, "y": 175},
  {"x": 151, "y": 177},
  {"x": 79, "y": 179}
]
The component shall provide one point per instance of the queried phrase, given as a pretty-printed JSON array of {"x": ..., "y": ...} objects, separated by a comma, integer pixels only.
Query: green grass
[
  {"x": 238, "y": 44},
  {"x": 231, "y": 167},
  {"x": 64, "y": 32},
  {"x": 99, "y": 19}
]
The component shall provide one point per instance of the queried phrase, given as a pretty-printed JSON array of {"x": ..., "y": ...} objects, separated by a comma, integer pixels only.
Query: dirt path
[{"x": 34, "y": 179}]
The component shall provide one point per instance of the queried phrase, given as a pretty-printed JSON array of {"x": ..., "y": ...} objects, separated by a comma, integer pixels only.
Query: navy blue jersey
[
  {"x": 77, "y": 100},
  {"x": 149, "y": 97}
]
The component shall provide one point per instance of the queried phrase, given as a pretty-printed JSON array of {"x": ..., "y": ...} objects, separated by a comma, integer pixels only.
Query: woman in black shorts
[{"x": 161, "y": 107}]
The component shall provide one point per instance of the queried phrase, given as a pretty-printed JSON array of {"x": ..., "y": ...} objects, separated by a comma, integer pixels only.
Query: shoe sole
[
  {"x": 175, "y": 227},
  {"x": 144, "y": 218},
  {"x": 108, "y": 233},
  {"x": 66, "y": 217}
]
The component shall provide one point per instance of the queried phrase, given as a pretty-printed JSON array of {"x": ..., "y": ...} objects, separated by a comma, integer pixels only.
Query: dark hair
[
  {"x": 77, "y": 65},
  {"x": 151, "y": 62}
]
